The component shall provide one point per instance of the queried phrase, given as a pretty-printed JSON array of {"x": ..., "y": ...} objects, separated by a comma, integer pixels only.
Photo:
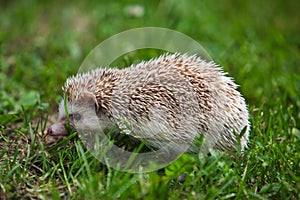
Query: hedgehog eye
[{"x": 77, "y": 116}]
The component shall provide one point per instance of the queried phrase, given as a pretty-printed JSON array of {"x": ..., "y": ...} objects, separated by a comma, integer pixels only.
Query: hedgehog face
[
  {"x": 66, "y": 121},
  {"x": 79, "y": 115}
]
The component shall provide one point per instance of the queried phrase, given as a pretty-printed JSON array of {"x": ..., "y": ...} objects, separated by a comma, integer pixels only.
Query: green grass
[{"x": 41, "y": 44}]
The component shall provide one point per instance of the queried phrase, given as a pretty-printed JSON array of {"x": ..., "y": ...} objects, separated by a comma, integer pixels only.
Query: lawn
[{"x": 44, "y": 42}]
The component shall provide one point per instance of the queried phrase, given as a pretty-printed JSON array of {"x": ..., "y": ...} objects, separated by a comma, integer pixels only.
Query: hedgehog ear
[{"x": 90, "y": 96}]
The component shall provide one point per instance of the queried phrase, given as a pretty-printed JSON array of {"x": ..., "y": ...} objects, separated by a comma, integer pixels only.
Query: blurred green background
[{"x": 44, "y": 42}]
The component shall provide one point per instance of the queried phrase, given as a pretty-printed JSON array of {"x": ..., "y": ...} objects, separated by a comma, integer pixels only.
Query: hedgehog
[{"x": 172, "y": 98}]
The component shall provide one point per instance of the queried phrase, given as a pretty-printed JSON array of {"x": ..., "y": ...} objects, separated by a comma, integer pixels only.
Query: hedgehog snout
[
  {"x": 57, "y": 129},
  {"x": 64, "y": 126}
]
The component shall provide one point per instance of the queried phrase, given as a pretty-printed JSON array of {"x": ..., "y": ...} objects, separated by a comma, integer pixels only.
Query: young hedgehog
[{"x": 173, "y": 98}]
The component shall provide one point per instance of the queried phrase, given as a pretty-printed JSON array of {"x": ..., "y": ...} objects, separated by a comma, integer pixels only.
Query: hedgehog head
[{"x": 85, "y": 98}]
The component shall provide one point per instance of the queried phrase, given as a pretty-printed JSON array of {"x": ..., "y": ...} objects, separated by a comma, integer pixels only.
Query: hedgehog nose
[{"x": 49, "y": 131}]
